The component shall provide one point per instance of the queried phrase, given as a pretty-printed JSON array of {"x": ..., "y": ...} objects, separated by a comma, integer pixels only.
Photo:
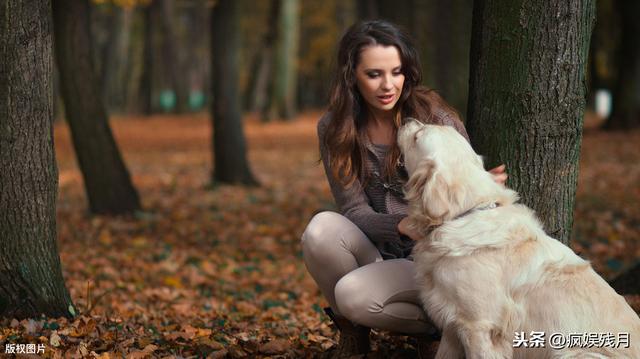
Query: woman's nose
[{"x": 386, "y": 83}]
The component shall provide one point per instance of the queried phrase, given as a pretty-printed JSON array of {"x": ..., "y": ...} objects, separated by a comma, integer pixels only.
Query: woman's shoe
[{"x": 354, "y": 338}]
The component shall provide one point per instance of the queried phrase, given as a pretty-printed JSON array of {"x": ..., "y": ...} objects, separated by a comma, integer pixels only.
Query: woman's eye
[
  {"x": 372, "y": 75},
  {"x": 397, "y": 73}
]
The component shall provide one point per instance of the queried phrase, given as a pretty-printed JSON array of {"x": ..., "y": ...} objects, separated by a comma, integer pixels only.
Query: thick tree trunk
[
  {"x": 229, "y": 148},
  {"x": 626, "y": 97},
  {"x": 283, "y": 100},
  {"x": 527, "y": 98},
  {"x": 31, "y": 281},
  {"x": 106, "y": 178}
]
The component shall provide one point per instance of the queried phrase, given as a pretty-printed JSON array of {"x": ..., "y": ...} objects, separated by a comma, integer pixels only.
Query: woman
[{"x": 359, "y": 258}]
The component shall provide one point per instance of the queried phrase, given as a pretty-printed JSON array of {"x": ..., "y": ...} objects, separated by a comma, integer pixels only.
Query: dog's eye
[{"x": 417, "y": 134}]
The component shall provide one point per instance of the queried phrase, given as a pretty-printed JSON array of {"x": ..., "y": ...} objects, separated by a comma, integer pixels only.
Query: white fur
[{"x": 491, "y": 273}]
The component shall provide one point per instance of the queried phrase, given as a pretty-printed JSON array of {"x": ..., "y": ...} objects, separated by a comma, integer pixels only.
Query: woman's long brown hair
[{"x": 346, "y": 135}]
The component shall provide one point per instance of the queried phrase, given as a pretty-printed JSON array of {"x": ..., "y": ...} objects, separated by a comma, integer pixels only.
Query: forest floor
[{"x": 217, "y": 271}]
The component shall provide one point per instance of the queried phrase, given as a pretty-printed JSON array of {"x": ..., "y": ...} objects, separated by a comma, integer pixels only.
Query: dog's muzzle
[{"x": 406, "y": 120}]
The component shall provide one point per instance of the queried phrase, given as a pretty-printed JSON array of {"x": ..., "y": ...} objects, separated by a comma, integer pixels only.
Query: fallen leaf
[{"x": 273, "y": 347}]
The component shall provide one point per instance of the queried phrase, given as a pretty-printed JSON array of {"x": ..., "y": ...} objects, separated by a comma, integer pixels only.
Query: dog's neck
[{"x": 481, "y": 207}]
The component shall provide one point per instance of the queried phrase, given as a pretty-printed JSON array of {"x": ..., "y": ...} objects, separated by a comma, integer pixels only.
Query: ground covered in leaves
[{"x": 216, "y": 271}]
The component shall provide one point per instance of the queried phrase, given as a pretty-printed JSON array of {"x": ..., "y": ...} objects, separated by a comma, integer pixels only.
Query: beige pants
[{"x": 356, "y": 281}]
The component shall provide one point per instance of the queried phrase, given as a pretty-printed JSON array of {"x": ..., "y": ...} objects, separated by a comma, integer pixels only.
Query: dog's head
[{"x": 446, "y": 177}]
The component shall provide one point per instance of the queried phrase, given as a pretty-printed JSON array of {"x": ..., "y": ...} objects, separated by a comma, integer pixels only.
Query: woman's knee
[
  {"x": 320, "y": 231},
  {"x": 353, "y": 298}
]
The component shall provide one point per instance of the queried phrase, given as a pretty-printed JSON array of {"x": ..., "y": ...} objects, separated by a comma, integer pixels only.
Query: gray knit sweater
[{"x": 378, "y": 207}]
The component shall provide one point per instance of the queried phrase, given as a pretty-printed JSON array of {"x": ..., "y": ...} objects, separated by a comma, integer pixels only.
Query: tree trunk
[
  {"x": 229, "y": 148},
  {"x": 625, "y": 112},
  {"x": 198, "y": 28},
  {"x": 400, "y": 12},
  {"x": 604, "y": 42},
  {"x": 31, "y": 281},
  {"x": 146, "y": 80},
  {"x": 367, "y": 9},
  {"x": 447, "y": 62},
  {"x": 283, "y": 99},
  {"x": 106, "y": 178},
  {"x": 116, "y": 59},
  {"x": 262, "y": 74},
  {"x": 171, "y": 55},
  {"x": 527, "y": 98}
]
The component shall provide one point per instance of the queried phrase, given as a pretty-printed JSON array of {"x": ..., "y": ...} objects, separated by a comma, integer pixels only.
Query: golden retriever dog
[{"x": 490, "y": 278}]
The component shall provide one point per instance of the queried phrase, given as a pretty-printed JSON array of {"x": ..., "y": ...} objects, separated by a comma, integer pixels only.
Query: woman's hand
[
  {"x": 405, "y": 228},
  {"x": 499, "y": 174}
]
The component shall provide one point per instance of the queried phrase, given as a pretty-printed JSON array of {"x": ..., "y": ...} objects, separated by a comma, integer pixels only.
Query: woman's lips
[{"x": 386, "y": 99}]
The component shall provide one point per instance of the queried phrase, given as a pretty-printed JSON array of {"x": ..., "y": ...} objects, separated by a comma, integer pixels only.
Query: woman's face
[{"x": 379, "y": 77}]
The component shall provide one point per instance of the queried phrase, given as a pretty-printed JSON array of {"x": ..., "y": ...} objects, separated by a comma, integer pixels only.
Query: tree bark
[
  {"x": 31, "y": 281},
  {"x": 527, "y": 98},
  {"x": 106, "y": 178},
  {"x": 625, "y": 112},
  {"x": 283, "y": 100},
  {"x": 229, "y": 148}
]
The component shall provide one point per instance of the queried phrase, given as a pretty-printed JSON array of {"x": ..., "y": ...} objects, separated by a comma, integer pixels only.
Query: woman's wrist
[{"x": 401, "y": 227}]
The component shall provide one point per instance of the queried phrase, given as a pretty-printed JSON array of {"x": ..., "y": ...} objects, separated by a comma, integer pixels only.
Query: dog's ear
[
  {"x": 436, "y": 197},
  {"x": 419, "y": 178},
  {"x": 427, "y": 193}
]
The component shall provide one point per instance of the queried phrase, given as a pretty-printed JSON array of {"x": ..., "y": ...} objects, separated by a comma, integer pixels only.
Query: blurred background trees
[{"x": 152, "y": 56}]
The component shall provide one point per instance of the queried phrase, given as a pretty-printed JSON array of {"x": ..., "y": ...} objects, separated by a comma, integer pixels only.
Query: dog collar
[{"x": 479, "y": 208}]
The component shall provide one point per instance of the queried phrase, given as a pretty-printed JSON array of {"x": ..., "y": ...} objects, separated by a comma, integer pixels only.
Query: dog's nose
[{"x": 406, "y": 120}]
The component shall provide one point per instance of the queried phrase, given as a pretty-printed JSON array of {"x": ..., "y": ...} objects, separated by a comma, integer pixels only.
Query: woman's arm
[{"x": 381, "y": 228}]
